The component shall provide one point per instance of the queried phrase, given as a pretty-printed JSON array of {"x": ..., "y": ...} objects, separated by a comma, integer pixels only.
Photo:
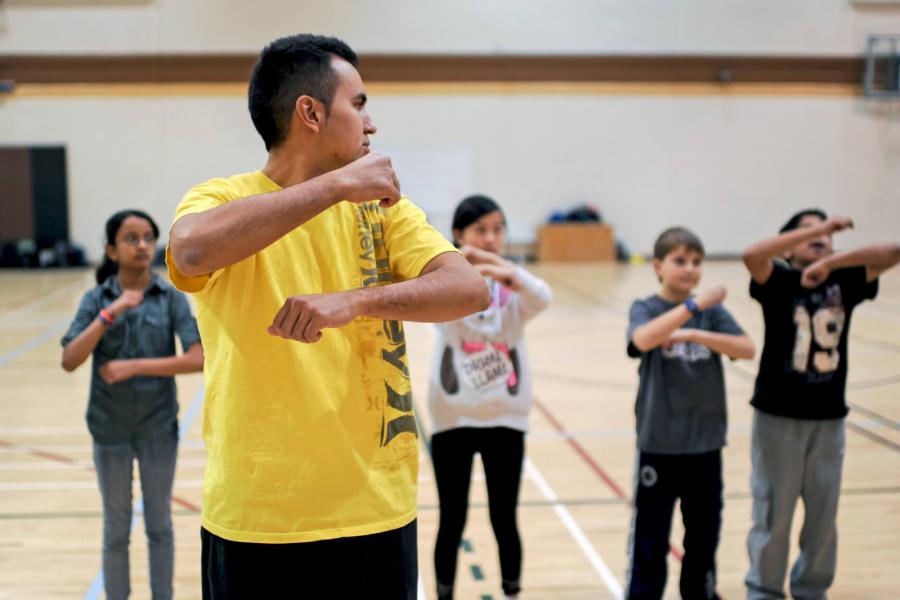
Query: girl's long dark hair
[
  {"x": 470, "y": 210},
  {"x": 110, "y": 267}
]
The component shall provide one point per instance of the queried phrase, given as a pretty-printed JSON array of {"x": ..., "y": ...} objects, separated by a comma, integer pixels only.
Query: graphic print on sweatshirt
[{"x": 481, "y": 363}]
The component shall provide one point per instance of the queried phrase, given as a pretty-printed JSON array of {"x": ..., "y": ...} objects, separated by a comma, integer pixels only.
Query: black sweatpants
[
  {"x": 378, "y": 566},
  {"x": 502, "y": 451},
  {"x": 661, "y": 479}
]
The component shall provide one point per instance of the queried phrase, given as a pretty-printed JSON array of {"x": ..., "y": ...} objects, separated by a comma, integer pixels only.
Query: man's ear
[{"x": 309, "y": 112}]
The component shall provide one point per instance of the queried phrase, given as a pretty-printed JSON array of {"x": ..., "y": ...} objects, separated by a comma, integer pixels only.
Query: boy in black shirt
[{"x": 798, "y": 424}]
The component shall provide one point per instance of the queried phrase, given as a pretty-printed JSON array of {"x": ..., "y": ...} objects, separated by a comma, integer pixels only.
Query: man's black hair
[{"x": 290, "y": 67}]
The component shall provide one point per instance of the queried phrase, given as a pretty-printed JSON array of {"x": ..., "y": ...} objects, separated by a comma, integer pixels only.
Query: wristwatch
[{"x": 691, "y": 305}]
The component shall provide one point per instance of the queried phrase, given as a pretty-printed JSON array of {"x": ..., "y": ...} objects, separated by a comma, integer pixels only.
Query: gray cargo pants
[{"x": 794, "y": 458}]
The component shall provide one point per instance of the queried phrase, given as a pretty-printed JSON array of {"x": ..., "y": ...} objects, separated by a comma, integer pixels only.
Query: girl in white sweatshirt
[{"x": 480, "y": 395}]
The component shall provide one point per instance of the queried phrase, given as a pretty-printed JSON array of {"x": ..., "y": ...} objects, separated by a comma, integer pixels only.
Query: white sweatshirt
[{"x": 481, "y": 376}]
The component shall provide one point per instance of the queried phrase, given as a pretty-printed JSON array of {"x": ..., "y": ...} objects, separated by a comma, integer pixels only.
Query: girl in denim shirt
[{"x": 129, "y": 322}]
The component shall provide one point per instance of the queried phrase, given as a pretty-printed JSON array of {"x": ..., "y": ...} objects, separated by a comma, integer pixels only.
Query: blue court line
[
  {"x": 190, "y": 414},
  {"x": 54, "y": 330}
]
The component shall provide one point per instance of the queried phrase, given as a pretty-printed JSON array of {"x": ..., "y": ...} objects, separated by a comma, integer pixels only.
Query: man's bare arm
[
  {"x": 205, "y": 242},
  {"x": 449, "y": 288}
]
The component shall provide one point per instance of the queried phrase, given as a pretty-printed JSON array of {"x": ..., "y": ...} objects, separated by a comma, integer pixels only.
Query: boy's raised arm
[
  {"x": 877, "y": 259},
  {"x": 758, "y": 257},
  {"x": 657, "y": 332}
]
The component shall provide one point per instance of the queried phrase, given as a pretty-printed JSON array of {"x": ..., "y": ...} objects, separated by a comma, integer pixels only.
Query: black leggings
[{"x": 502, "y": 451}]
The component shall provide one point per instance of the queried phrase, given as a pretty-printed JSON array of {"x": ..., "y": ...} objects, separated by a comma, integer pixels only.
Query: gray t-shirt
[{"x": 681, "y": 397}]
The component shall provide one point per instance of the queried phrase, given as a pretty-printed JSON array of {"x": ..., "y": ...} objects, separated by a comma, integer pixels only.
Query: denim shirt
[{"x": 139, "y": 408}]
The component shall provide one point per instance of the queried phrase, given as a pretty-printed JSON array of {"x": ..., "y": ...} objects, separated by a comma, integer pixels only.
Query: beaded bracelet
[{"x": 107, "y": 318}]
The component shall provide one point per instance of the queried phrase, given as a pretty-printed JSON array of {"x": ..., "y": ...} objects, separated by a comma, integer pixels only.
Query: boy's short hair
[
  {"x": 290, "y": 67},
  {"x": 794, "y": 222},
  {"x": 673, "y": 238}
]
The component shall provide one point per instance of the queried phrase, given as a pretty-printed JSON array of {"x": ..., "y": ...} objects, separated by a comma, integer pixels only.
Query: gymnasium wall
[
  {"x": 729, "y": 162},
  {"x": 805, "y": 27}
]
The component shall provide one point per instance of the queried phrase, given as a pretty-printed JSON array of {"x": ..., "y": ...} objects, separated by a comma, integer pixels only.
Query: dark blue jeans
[{"x": 115, "y": 465}]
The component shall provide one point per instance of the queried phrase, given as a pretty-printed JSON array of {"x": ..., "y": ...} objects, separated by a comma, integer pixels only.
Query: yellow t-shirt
[{"x": 307, "y": 441}]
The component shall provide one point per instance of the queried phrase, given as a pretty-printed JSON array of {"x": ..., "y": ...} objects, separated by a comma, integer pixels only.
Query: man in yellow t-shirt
[{"x": 303, "y": 273}]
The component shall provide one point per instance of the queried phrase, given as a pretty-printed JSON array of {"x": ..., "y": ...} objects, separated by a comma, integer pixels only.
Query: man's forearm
[
  {"x": 445, "y": 294},
  {"x": 205, "y": 242}
]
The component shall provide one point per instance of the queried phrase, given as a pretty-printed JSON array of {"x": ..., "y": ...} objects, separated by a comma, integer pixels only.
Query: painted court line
[
  {"x": 63, "y": 486},
  {"x": 77, "y": 464},
  {"x": 593, "y": 464},
  {"x": 38, "y": 340},
  {"x": 532, "y": 473},
  {"x": 85, "y": 447},
  {"x": 574, "y": 530},
  {"x": 41, "y": 431},
  {"x": 43, "y": 300}
]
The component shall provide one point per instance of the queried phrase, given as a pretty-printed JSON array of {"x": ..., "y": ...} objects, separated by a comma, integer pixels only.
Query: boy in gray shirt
[{"x": 680, "y": 418}]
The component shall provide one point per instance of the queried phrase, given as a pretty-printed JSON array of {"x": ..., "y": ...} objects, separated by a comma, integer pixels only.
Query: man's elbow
[
  {"x": 479, "y": 295},
  {"x": 187, "y": 254}
]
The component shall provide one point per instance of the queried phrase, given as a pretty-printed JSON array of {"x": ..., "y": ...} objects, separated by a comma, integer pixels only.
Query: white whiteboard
[{"x": 434, "y": 178}]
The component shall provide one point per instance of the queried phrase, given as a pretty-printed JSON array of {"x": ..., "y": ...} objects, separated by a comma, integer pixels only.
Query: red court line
[
  {"x": 580, "y": 450},
  {"x": 593, "y": 464},
  {"x": 71, "y": 461}
]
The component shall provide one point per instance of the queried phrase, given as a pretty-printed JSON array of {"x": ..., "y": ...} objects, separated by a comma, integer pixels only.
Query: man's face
[
  {"x": 346, "y": 130},
  {"x": 808, "y": 252}
]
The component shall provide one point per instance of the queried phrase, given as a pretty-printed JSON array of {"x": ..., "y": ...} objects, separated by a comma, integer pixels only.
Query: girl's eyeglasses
[{"x": 132, "y": 239}]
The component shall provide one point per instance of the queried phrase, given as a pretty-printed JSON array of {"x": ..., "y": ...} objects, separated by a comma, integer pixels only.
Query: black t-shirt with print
[{"x": 803, "y": 370}]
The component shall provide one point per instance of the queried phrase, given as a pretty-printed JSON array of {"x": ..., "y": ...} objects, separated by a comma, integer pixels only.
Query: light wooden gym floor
[{"x": 574, "y": 514}]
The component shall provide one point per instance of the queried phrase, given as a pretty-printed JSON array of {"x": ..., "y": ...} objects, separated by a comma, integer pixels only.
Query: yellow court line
[{"x": 474, "y": 88}]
